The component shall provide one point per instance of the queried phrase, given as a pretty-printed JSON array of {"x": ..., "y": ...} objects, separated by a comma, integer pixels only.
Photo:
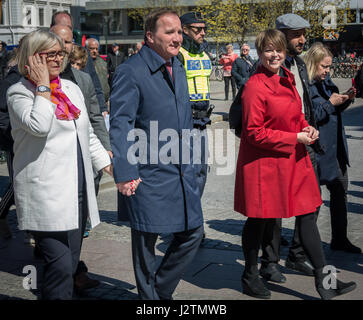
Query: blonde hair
[
  {"x": 314, "y": 56},
  {"x": 34, "y": 42},
  {"x": 270, "y": 36},
  {"x": 229, "y": 46},
  {"x": 79, "y": 53}
]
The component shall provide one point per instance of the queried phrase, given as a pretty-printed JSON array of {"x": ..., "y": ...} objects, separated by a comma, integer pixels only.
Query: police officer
[{"x": 198, "y": 68}]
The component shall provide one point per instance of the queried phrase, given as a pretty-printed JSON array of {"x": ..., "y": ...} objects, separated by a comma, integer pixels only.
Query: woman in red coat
[{"x": 274, "y": 175}]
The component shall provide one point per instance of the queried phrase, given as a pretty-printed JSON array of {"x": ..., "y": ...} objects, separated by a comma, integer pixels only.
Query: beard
[{"x": 294, "y": 51}]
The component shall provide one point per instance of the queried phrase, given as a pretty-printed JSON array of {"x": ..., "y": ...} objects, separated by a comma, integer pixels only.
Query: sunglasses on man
[{"x": 198, "y": 30}]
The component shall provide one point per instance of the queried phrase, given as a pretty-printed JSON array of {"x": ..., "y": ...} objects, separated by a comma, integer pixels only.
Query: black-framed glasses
[
  {"x": 53, "y": 54},
  {"x": 198, "y": 30}
]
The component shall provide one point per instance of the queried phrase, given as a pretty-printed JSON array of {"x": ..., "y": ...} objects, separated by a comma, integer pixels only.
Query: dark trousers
[
  {"x": 226, "y": 86},
  {"x": 271, "y": 253},
  {"x": 338, "y": 189},
  {"x": 259, "y": 233},
  {"x": 159, "y": 282},
  {"x": 8, "y": 199},
  {"x": 61, "y": 252},
  {"x": 201, "y": 149}
]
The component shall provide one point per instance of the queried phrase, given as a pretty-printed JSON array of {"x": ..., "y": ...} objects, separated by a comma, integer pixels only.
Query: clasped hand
[
  {"x": 308, "y": 135},
  {"x": 128, "y": 188}
]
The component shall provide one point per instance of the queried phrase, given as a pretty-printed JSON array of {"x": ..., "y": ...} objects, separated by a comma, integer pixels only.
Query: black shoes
[
  {"x": 327, "y": 293},
  {"x": 300, "y": 266},
  {"x": 344, "y": 245},
  {"x": 272, "y": 273},
  {"x": 252, "y": 285}
]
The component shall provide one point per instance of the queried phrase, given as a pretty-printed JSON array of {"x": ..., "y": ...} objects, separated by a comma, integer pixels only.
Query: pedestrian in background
[
  {"x": 3, "y": 60},
  {"x": 226, "y": 61},
  {"x": 114, "y": 59},
  {"x": 242, "y": 66},
  {"x": 272, "y": 153},
  {"x": 100, "y": 65},
  {"x": 7, "y": 200},
  {"x": 54, "y": 151},
  {"x": 82, "y": 281},
  {"x": 78, "y": 57},
  {"x": 328, "y": 106}
]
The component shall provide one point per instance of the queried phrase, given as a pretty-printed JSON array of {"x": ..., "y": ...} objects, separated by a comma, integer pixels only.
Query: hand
[
  {"x": 128, "y": 188},
  {"x": 312, "y": 132},
  {"x": 109, "y": 170},
  {"x": 38, "y": 70},
  {"x": 337, "y": 99},
  {"x": 351, "y": 93},
  {"x": 110, "y": 154},
  {"x": 104, "y": 113},
  {"x": 303, "y": 137}
]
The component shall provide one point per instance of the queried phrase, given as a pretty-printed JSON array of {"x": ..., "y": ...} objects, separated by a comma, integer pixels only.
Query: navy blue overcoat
[
  {"x": 331, "y": 129},
  {"x": 145, "y": 97}
]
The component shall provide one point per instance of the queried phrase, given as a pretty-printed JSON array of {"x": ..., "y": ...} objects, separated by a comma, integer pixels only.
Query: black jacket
[
  {"x": 241, "y": 70},
  {"x": 6, "y": 141},
  {"x": 308, "y": 105},
  {"x": 113, "y": 61}
]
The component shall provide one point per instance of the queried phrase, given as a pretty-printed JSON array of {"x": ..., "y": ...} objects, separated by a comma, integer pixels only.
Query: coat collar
[
  {"x": 273, "y": 80},
  {"x": 151, "y": 58}
]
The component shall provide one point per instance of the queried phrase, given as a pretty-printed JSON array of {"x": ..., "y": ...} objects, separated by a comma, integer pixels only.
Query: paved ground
[{"x": 216, "y": 270}]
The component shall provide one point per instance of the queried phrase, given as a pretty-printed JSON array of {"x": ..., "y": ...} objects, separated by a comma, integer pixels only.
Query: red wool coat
[{"x": 274, "y": 174}]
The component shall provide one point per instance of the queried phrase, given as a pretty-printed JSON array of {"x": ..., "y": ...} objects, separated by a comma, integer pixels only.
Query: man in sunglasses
[{"x": 198, "y": 68}]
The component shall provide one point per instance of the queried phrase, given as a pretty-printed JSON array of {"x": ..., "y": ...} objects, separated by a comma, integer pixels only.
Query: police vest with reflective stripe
[{"x": 198, "y": 68}]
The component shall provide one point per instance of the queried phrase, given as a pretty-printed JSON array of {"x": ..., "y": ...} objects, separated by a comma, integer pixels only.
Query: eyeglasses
[
  {"x": 53, "y": 54},
  {"x": 198, "y": 30}
]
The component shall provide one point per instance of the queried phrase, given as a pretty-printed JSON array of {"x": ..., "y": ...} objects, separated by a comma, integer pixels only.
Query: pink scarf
[{"x": 66, "y": 110}]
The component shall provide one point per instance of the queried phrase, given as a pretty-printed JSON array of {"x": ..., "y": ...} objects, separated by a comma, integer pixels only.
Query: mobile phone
[{"x": 349, "y": 91}]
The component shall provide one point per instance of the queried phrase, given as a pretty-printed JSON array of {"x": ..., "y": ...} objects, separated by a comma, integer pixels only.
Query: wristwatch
[{"x": 43, "y": 89}]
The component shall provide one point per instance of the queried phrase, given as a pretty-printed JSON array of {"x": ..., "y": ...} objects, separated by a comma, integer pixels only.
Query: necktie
[{"x": 168, "y": 66}]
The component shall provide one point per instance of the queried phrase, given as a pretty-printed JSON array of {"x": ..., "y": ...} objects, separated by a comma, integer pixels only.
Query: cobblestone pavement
[{"x": 216, "y": 271}]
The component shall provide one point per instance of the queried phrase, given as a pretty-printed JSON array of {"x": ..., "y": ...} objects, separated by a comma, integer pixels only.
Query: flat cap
[
  {"x": 291, "y": 21},
  {"x": 191, "y": 17}
]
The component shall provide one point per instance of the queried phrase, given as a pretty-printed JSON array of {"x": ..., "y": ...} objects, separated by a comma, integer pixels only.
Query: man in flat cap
[
  {"x": 293, "y": 26},
  {"x": 198, "y": 67}
]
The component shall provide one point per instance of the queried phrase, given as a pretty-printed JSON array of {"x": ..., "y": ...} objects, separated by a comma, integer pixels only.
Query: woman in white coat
[{"x": 54, "y": 151}]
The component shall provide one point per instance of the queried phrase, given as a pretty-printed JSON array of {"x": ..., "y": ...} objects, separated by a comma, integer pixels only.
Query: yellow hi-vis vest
[{"x": 198, "y": 68}]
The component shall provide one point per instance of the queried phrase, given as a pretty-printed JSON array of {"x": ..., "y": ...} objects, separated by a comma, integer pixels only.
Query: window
[
  {"x": 351, "y": 16},
  {"x": 41, "y": 17},
  {"x": 1, "y": 12},
  {"x": 91, "y": 22},
  {"x": 28, "y": 16},
  {"x": 115, "y": 22},
  {"x": 136, "y": 25},
  {"x": 361, "y": 15}
]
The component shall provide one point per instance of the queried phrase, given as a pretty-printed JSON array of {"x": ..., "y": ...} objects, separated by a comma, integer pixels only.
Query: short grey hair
[
  {"x": 246, "y": 45},
  {"x": 92, "y": 39},
  {"x": 35, "y": 42}
]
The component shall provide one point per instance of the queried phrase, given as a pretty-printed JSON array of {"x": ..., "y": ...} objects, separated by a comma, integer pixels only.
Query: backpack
[{"x": 235, "y": 113}]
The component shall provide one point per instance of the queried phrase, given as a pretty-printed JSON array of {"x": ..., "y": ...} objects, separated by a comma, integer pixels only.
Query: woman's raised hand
[{"x": 38, "y": 70}]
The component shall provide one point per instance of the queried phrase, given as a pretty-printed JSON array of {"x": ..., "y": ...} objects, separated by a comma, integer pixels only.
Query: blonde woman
[
  {"x": 328, "y": 106},
  {"x": 54, "y": 151}
]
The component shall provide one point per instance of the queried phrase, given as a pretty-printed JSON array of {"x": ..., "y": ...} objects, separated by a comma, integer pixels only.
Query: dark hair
[
  {"x": 153, "y": 17},
  {"x": 55, "y": 14}
]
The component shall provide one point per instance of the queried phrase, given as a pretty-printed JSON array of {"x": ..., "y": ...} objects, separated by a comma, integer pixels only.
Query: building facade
[{"x": 19, "y": 17}]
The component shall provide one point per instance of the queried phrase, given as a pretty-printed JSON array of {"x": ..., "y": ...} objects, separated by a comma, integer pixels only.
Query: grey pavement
[{"x": 217, "y": 268}]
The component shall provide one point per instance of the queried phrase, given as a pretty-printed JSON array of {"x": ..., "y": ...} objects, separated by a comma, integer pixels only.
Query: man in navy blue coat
[{"x": 149, "y": 124}]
